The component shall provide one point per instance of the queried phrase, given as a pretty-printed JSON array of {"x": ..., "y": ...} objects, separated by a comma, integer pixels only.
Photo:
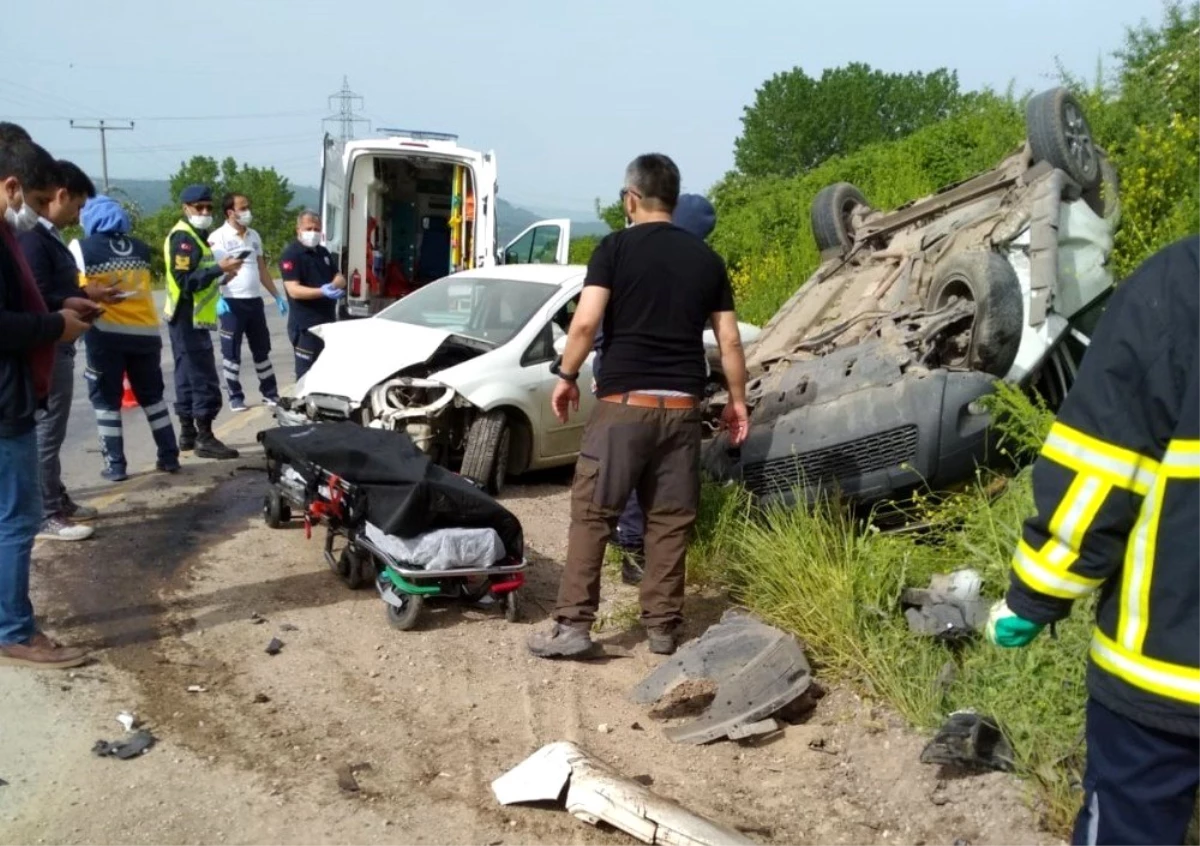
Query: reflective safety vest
[
  {"x": 1117, "y": 489},
  {"x": 204, "y": 303}
]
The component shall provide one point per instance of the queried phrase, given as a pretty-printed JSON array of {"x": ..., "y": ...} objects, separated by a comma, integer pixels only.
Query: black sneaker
[{"x": 663, "y": 641}]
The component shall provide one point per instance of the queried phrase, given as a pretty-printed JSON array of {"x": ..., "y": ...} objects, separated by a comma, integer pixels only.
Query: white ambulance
[{"x": 408, "y": 207}]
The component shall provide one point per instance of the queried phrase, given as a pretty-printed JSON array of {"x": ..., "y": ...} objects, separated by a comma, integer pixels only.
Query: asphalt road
[{"x": 80, "y": 454}]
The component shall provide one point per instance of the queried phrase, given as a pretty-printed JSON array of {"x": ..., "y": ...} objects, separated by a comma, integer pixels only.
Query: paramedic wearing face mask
[
  {"x": 193, "y": 274},
  {"x": 240, "y": 309},
  {"x": 313, "y": 286}
]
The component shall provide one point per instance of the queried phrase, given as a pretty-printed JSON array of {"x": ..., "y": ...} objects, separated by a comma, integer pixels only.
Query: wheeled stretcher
[{"x": 394, "y": 519}]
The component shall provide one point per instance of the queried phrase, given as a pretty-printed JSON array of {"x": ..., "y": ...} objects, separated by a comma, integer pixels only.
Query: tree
[
  {"x": 797, "y": 122},
  {"x": 613, "y": 214},
  {"x": 270, "y": 195}
]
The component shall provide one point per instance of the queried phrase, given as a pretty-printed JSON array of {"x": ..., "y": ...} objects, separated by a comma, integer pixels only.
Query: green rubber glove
[{"x": 1006, "y": 629}]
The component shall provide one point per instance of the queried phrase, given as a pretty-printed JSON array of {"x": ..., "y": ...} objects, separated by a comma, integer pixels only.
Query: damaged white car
[{"x": 462, "y": 365}]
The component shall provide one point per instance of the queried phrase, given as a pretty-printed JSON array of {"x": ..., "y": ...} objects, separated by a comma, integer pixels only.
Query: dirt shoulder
[{"x": 166, "y": 593}]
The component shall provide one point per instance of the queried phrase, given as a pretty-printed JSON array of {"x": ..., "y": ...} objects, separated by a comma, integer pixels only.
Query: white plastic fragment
[{"x": 595, "y": 793}]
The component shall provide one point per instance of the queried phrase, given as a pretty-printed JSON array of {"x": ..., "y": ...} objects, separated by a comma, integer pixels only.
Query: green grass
[{"x": 835, "y": 582}]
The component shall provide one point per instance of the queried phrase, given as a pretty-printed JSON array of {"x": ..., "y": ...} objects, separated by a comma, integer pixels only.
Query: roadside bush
[{"x": 763, "y": 229}]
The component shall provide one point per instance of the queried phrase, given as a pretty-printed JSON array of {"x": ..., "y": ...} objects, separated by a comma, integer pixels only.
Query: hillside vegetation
[{"x": 833, "y": 579}]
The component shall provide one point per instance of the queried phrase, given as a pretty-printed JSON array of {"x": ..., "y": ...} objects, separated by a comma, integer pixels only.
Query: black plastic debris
[
  {"x": 969, "y": 740},
  {"x": 3, "y": 783},
  {"x": 275, "y": 646},
  {"x": 128, "y": 747},
  {"x": 261, "y": 699},
  {"x": 257, "y": 619},
  {"x": 949, "y": 609},
  {"x": 743, "y": 671}
]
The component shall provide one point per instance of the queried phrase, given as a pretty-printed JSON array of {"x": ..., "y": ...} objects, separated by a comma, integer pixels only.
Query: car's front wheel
[{"x": 489, "y": 445}]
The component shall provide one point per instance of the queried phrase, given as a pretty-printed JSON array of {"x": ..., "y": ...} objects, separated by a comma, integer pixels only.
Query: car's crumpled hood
[{"x": 359, "y": 354}]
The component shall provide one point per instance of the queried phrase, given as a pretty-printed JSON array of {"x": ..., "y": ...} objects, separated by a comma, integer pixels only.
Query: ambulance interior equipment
[{"x": 404, "y": 210}]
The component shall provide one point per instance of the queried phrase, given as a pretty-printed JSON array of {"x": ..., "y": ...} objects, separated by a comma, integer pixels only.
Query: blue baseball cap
[
  {"x": 695, "y": 214},
  {"x": 196, "y": 194}
]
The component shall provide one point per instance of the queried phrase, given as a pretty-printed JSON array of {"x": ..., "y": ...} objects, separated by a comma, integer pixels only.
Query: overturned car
[{"x": 867, "y": 381}]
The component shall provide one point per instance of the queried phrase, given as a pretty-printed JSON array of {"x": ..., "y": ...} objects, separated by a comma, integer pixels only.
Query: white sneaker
[{"x": 60, "y": 528}]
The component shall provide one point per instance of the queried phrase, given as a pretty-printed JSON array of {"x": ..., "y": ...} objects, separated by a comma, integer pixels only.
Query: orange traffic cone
[{"x": 128, "y": 400}]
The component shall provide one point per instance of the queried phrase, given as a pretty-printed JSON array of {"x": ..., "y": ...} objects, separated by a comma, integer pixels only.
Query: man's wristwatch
[{"x": 556, "y": 369}]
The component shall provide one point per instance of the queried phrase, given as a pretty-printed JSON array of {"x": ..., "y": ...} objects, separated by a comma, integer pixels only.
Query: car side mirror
[{"x": 510, "y": 257}]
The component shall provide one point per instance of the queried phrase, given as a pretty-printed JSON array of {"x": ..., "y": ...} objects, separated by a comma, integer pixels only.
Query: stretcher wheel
[
  {"x": 275, "y": 511},
  {"x": 355, "y": 567},
  {"x": 512, "y": 606},
  {"x": 405, "y": 617}
]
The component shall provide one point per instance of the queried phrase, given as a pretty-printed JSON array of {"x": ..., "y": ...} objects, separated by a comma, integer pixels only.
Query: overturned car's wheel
[
  {"x": 987, "y": 280},
  {"x": 830, "y": 214},
  {"x": 1059, "y": 134},
  {"x": 485, "y": 459}
]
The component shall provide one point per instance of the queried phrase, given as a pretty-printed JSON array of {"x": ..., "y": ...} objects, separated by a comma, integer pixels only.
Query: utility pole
[
  {"x": 103, "y": 127},
  {"x": 344, "y": 114}
]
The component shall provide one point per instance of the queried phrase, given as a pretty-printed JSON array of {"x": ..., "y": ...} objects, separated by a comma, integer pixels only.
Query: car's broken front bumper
[{"x": 855, "y": 423}]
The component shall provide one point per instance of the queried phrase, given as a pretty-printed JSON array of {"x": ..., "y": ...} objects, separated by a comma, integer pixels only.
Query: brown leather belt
[{"x": 640, "y": 400}]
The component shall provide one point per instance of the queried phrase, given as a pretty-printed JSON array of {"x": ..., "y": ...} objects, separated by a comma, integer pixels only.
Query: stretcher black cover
[{"x": 406, "y": 493}]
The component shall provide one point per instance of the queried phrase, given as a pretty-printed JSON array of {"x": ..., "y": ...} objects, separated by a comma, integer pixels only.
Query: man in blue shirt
[{"x": 313, "y": 286}]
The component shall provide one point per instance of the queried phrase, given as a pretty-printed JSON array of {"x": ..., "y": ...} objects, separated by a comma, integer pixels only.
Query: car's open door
[{"x": 544, "y": 242}]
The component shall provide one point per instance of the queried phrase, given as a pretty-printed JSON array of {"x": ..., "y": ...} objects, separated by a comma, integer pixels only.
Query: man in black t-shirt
[
  {"x": 313, "y": 285},
  {"x": 652, "y": 287}
]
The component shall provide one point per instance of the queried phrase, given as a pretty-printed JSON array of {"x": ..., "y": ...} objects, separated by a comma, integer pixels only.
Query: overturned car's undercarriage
[{"x": 868, "y": 381}]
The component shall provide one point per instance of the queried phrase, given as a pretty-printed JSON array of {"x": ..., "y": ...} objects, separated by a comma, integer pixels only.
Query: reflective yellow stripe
[
  {"x": 1173, "y": 681},
  {"x": 1032, "y": 569},
  {"x": 1138, "y": 571},
  {"x": 1072, "y": 519},
  {"x": 1182, "y": 460},
  {"x": 1084, "y": 454}
]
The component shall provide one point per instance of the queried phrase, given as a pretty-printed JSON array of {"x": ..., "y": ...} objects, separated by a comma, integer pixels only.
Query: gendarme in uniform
[{"x": 192, "y": 275}]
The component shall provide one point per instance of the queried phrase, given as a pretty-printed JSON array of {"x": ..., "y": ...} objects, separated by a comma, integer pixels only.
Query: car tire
[
  {"x": 1059, "y": 134},
  {"x": 988, "y": 280},
  {"x": 486, "y": 457},
  {"x": 830, "y": 215}
]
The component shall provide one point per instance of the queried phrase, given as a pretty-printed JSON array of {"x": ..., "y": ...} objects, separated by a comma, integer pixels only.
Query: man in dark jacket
[
  {"x": 57, "y": 278},
  {"x": 28, "y": 333},
  {"x": 1117, "y": 490}
]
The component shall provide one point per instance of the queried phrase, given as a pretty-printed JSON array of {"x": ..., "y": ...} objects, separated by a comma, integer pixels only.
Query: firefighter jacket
[{"x": 1117, "y": 490}]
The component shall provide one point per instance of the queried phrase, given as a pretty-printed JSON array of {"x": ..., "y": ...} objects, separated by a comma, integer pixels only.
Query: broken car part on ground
[
  {"x": 741, "y": 669},
  {"x": 868, "y": 380},
  {"x": 595, "y": 794}
]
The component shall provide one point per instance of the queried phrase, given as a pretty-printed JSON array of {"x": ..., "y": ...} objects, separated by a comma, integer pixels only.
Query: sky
[{"x": 564, "y": 92}]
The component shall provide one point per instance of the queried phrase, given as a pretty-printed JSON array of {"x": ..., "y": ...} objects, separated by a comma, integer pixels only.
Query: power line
[
  {"x": 102, "y": 128},
  {"x": 260, "y": 116},
  {"x": 345, "y": 114}
]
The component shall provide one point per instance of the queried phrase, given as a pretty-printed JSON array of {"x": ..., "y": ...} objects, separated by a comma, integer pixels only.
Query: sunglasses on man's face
[{"x": 625, "y": 191}]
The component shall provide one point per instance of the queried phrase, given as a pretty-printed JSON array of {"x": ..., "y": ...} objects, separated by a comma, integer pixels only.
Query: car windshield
[{"x": 491, "y": 310}]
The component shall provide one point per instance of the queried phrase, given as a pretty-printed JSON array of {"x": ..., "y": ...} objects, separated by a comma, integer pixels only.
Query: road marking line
[{"x": 103, "y": 501}]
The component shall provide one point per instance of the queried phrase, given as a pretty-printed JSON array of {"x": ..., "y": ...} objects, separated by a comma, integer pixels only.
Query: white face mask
[
  {"x": 244, "y": 217},
  {"x": 23, "y": 220},
  {"x": 200, "y": 221},
  {"x": 310, "y": 238}
]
